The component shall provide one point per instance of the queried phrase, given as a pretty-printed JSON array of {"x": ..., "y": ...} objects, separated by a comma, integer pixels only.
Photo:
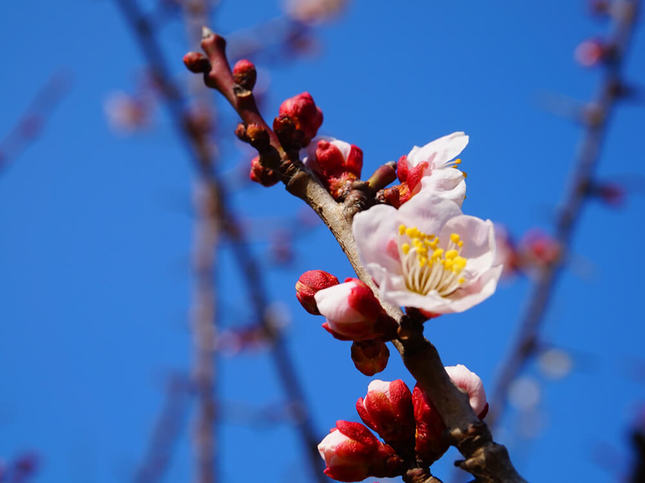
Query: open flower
[
  {"x": 427, "y": 254},
  {"x": 434, "y": 162}
]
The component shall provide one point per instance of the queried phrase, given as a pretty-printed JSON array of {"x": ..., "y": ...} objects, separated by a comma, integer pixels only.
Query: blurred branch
[
  {"x": 596, "y": 125},
  {"x": 33, "y": 120},
  {"x": 197, "y": 144},
  {"x": 166, "y": 431}
]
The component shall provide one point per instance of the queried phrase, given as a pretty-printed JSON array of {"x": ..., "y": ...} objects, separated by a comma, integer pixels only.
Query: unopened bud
[
  {"x": 471, "y": 384},
  {"x": 353, "y": 312},
  {"x": 431, "y": 440},
  {"x": 592, "y": 52},
  {"x": 387, "y": 409},
  {"x": 261, "y": 174},
  {"x": 304, "y": 113},
  {"x": 338, "y": 164},
  {"x": 309, "y": 284},
  {"x": 244, "y": 74},
  {"x": 370, "y": 356},
  {"x": 611, "y": 193},
  {"x": 197, "y": 62},
  {"x": 352, "y": 453}
]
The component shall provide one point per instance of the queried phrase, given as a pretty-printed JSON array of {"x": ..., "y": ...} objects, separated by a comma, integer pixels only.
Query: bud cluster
[
  {"x": 353, "y": 313},
  {"x": 408, "y": 423}
]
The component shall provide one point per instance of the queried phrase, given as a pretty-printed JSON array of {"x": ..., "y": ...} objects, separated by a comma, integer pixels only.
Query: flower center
[{"x": 427, "y": 267}]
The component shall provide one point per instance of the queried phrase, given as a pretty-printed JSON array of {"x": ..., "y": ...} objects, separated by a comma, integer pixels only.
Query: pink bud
[
  {"x": 244, "y": 74},
  {"x": 370, "y": 356},
  {"x": 353, "y": 313},
  {"x": 539, "y": 248},
  {"x": 352, "y": 453},
  {"x": 304, "y": 113},
  {"x": 431, "y": 441},
  {"x": 387, "y": 409},
  {"x": 591, "y": 52},
  {"x": 309, "y": 284},
  {"x": 471, "y": 384},
  {"x": 337, "y": 163},
  {"x": 261, "y": 174}
]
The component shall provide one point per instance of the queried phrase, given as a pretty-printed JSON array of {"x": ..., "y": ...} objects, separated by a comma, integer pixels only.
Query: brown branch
[
  {"x": 196, "y": 142},
  {"x": 527, "y": 341},
  {"x": 485, "y": 459}
]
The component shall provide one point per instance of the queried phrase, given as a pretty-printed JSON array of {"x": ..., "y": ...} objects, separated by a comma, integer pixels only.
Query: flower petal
[
  {"x": 447, "y": 183},
  {"x": 439, "y": 151},
  {"x": 374, "y": 230}
]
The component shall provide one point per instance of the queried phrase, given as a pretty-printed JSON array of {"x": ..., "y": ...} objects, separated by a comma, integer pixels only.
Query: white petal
[
  {"x": 379, "y": 386},
  {"x": 428, "y": 212},
  {"x": 333, "y": 304},
  {"x": 479, "y": 241},
  {"x": 375, "y": 230},
  {"x": 470, "y": 382},
  {"x": 439, "y": 151},
  {"x": 447, "y": 183}
]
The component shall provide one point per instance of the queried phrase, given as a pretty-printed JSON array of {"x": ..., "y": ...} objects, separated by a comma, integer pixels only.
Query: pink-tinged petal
[
  {"x": 373, "y": 231},
  {"x": 471, "y": 383},
  {"x": 426, "y": 211},
  {"x": 332, "y": 302},
  {"x": 439, "y": 151},
  {"x": 479, "y": 241},
  {"x": 447, "y": 183},
  {"x": 476, "y": 291}
]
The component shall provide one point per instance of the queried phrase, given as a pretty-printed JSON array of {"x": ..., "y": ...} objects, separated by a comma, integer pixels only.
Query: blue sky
[{"x": 95, "y": 245}]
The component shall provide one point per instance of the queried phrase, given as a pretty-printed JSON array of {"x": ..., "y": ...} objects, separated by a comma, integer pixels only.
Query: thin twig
[
  {"x": 31, "y": 123},
  {"x": 166, "y": 432}
]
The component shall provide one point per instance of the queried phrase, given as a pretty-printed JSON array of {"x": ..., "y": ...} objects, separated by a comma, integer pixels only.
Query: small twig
[
  {"x": 32, "y": 122},
  {"x": 166, "y": 432}
]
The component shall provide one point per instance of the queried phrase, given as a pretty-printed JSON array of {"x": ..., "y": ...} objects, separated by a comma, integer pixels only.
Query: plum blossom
[
  {"x": 427, "y": 254},
  {"x": 435, "y": 161}
]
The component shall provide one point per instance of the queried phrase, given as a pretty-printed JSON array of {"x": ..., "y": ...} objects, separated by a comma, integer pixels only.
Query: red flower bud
[
  {"x": 387, "y": 409},
  {"x": 370, "y": 356},
  {"x": 261, "y": 174},
  {"x": 337, "y": 163},
  {"x": 592, "y": 52},
  {"x": 197, "y": 62},
  {"x": 352, "y": 453},
  {"x": 353, "y": 312},
  {"x": 304, "y": 113},
  {"x": 431, "y": 441},
  {"x": 309, "y": 284},
  {"x": 244, "y": 74}
]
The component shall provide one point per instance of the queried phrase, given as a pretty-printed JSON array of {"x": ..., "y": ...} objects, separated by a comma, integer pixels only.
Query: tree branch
[{"x": 488, "y": 461}]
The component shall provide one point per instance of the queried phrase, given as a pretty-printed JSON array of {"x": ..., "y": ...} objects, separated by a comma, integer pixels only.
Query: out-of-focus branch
[
  {"x": 166, "y": 432},
  {"x": 33, "y": 120},
  {"x": 597, "y": 122},
  {"x": 485, "y": 459},
  {"x": 207, "y": 228},
  {"x": 197, "y": 144}
]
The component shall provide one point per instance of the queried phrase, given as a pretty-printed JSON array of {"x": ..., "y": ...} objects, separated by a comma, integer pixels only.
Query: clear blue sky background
[{"x": 96, "y": 233}]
